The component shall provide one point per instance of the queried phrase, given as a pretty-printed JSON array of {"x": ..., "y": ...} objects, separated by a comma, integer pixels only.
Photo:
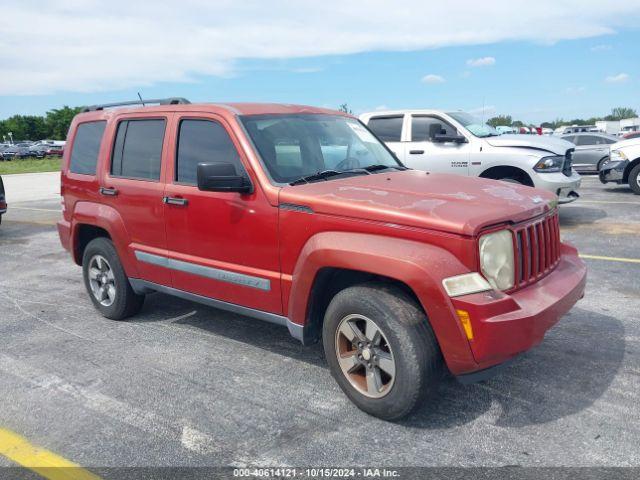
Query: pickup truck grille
[
  {"x": 537, "y": 249},
  {"x": 568, "y": 160}
]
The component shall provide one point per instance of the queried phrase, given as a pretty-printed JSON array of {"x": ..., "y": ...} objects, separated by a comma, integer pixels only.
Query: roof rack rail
[{"x": 157, "y": 101}]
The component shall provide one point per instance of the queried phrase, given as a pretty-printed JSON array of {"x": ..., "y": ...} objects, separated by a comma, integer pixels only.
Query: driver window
[{"x": 424, "y": 129}]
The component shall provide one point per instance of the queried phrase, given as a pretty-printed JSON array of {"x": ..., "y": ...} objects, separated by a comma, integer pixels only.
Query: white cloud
[
  {"x": 481, "y": 62},
  {"x": 620, "y": 78},
  {"x": 600, "y": 48},
  {"x": 381, "y": 107},
  {"x": 90, "y": 45},
  {"x": 432, "y": 79}
]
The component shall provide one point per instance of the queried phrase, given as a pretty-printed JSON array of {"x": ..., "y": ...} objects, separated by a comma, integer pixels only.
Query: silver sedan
[{"x": 592, "y": 150}]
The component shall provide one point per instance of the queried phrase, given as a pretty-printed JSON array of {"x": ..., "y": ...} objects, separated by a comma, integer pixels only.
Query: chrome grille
[{"x": 537, "y": 249}]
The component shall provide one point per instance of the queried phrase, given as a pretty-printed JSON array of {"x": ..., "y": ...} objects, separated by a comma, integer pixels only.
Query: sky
[{"x": 536, "y": 60}]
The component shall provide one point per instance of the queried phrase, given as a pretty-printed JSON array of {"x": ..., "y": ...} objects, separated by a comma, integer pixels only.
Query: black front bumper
[{"x": 613, "y": 172}]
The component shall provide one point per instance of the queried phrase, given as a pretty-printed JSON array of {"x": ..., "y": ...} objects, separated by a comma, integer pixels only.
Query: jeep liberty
[{"x": 300, "y": 216}]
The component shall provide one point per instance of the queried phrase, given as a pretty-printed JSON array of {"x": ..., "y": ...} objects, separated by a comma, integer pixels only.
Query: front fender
[
  {"x": 420, "y": 266},
  {"x": 107, "y": 218}
]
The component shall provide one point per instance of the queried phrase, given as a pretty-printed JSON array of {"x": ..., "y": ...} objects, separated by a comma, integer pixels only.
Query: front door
[
  {"x": 424, "y": 153},
  {"x": 221, "y": 245}
]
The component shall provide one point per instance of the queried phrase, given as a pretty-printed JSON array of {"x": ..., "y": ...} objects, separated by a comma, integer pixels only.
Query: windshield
[
  {"x": 476, "y": 126},
  {"x": 293, "y": 147}
]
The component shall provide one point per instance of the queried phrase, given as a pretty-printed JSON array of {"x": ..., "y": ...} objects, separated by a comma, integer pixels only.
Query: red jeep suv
[{"x": 300, "y": 216}]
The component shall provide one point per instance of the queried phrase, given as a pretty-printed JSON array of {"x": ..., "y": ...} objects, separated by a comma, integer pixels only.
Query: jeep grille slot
[{"x": 537, "y": 249}]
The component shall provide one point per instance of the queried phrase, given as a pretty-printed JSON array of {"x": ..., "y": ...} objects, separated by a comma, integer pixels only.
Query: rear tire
[
  {"x": 106, "y": 281},
  {"x": 634, "y": 179},
  {"x": 406, "y": 355}
]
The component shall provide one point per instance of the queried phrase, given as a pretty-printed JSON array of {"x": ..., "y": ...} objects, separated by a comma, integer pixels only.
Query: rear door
[
  {"x": 134, "y": 186},
  {"x": 423, "y": 153},
  {"x": 221, "y": 245}
]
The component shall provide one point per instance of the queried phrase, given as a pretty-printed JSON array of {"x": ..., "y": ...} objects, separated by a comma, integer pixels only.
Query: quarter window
[
  {"x": 137, "y": 151},
  {"x": 86, "y": 146},
  {"x": 203, "y": 141},
  {"x": 388, "y": 129}
]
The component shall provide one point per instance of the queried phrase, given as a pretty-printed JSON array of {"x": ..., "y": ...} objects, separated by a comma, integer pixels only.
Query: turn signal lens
[{"x": 465, "y": 320}]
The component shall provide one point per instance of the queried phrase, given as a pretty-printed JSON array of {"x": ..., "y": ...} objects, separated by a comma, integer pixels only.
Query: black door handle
[
  {"x": 416, "y": 152},
  {"x": 181, "y": 202},
  {"x": 110, "y": 192}
]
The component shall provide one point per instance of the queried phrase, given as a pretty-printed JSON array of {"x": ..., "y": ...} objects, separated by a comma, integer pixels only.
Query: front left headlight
[
  {"x": 496, "y": 259},
  {"x": 550, "y": 164},
  {"x": 617, "y": 156}
]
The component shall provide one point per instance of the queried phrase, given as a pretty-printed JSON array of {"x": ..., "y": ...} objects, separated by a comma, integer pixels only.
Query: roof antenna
[{"x": 141, "y": 101}]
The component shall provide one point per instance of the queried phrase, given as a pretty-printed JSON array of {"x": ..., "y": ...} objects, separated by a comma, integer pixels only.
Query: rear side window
[
  {"x": 570, "y": 138},
  {"x": 203, "y": 141},
  {"x": 86, "y": 146},
  {"x": 388, "y": 129},
  {"x": 137, "y": 151}
]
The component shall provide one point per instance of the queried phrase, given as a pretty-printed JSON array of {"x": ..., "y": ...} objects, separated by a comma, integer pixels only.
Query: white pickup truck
[
  {"x": 456, "y": 142},
  {"x": 623, "y": 165}
]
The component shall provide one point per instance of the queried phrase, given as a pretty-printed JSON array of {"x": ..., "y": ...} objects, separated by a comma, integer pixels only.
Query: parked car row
[{"x": 27, "y": 149}]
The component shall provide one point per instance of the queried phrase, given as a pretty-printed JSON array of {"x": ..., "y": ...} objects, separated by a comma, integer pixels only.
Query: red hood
[{"x": 449, "y": 203}]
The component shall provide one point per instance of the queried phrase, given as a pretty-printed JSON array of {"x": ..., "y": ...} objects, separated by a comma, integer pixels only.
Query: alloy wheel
[
  {"x": 102, "y": 281},
  {"x": 365, "y": 356}
]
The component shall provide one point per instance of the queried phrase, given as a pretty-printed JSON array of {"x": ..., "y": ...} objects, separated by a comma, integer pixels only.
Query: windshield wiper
[
  {"x": 379, "y": 166},
  {"x": 323, "y": 175}
]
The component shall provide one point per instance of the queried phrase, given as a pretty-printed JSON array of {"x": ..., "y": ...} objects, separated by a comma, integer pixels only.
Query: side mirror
[
  {"x": 222, "y": 177},
  {"x": 442, "y": 138}
]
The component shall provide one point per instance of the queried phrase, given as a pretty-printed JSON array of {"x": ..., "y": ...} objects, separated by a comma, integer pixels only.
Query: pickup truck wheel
[
  {"x": 381, "y": 349},
  {"x": 106, "y": 282},
  {"x": 511, "y": 180},
  {"x": 634, "y": 179}
]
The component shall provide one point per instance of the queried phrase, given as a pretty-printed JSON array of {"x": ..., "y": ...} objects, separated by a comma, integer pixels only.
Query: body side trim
[{"x": 209, "y": 272}]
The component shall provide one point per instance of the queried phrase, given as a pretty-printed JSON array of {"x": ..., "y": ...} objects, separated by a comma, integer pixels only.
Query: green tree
[
  {"x": 517, "y": 124},
  {"x": 58, "y": 121},
  {"x": 500, "y": 120},
  {"x": 620, "y": 113},
  {"x": 345, "y": 108}
]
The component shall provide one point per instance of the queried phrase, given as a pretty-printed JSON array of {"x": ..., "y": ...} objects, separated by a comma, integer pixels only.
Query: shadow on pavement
[{"x": 567, "y": 373}]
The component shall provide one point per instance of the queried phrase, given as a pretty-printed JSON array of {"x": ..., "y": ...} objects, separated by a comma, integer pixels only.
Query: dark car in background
[
  {"x": 592, "y": 150},
  {"x": 3, "y": 200}
]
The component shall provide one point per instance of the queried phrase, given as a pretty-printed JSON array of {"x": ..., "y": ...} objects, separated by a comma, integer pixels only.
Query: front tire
[
  {"x": 106, "y": 281},
  {"x": 381, "y": 349},
  {"x": 634, "y": 179}
]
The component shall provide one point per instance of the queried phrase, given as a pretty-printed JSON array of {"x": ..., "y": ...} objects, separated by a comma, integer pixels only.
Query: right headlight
[
  {"x": 549, "y": 164},
  {"x": 496, "y": 259},
  {"x": 617, "y": 156}
]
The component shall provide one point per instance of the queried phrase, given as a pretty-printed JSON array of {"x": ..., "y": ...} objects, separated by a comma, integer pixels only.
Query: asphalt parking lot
[{"x": 183, "y": 384}]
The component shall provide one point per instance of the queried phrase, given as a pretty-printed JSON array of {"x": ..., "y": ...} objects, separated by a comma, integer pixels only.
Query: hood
[
  {"x": 631, "y": 142},
  {"x": 448, "y": 203},
  {"x": 538, "y": 142}
]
